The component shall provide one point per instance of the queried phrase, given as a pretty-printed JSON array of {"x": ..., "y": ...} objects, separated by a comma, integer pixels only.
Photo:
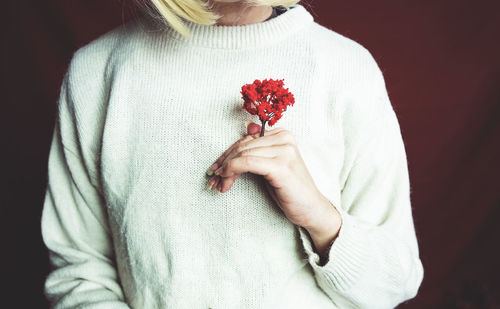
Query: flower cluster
[{"x": 267, "y": 99}]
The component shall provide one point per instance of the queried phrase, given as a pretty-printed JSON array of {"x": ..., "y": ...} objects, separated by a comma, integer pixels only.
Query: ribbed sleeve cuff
[{"x": 348, "y": 256}]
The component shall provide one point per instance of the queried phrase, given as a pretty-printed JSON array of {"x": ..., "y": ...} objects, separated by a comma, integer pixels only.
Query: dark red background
[{"x": 441, "y": 61}]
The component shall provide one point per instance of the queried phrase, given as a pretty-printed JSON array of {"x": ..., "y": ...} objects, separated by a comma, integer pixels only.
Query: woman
[{"x": 314, "y": 214}]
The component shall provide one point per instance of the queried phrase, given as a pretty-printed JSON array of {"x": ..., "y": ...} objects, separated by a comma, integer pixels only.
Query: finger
[
  {"x": 227, "y": 182},
  {"x": 269, "y": 151},
  {"x": 214, "y": 182},
  {"x": 220, "y": 160},
  {"x": 252, "y": 164},
  {"x": 218, "y": 188},
  {"x": 211, "y": 182},
  {"x": 280, "y": 138},
  {"x": 217, "y": 183},
  {"x": 254, "y": 129},
  {"x": 266, "y": 132}
]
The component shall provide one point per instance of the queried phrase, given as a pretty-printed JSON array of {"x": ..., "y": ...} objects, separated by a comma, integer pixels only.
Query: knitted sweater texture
[{"x": 143, "y": 113}]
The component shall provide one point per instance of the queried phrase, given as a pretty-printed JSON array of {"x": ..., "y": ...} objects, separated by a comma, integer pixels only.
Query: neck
[
  {"x": 248, "y": 36},
  {"x": 237, "y": 13}
]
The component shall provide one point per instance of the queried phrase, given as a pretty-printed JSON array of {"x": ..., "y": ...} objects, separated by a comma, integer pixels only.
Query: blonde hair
[{"x": 169, "y": 12}]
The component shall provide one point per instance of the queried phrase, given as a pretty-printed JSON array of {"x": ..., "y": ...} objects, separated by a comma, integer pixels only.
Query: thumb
[{"x": 252, "y": 127}]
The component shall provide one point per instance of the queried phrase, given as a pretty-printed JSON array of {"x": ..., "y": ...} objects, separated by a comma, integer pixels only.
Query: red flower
[{"x": 267, "y": 99}]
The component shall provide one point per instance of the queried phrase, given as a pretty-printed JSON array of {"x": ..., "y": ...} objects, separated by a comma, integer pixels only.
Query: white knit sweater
[{"x": 143, "y": 114}]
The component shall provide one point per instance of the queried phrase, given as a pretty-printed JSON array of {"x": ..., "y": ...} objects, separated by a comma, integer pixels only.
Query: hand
[{"x": 276, "y": 157}]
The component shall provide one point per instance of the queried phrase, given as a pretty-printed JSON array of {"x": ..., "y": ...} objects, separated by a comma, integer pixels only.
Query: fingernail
[
  {"x": 210, "y": 184},
  {"x": 218, "y": 171},
  {"x": 219, "y": 188},
  {"x": 211, "y": 169}
]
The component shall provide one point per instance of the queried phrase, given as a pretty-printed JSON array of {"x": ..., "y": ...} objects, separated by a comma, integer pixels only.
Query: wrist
[
  {"x": 326, "y": 220},
  {"x": 324, "y": 227}
]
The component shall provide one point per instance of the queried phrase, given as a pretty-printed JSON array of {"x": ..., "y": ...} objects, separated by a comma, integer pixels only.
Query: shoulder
[
  {"x": 354, "y": 66},
  {"x": 86, "y": 84},
  {"x": 92, "y": 62},
  {"x": 89, "y": 73},
  {"x": 338, "y": 42},
  {"x": 356, "y": 82}
]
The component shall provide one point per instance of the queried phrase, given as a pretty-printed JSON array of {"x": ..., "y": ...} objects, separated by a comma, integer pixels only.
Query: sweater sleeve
[
  {"x": 374, "y": 261},
  {"x": 74, "y": 224}
]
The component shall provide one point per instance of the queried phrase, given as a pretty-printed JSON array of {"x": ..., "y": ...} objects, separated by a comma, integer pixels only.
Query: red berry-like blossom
[{"x": 267, "y": 99}]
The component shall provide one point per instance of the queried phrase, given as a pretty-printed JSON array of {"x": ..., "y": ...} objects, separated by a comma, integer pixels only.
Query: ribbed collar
[{"x": 245, "y": 36}]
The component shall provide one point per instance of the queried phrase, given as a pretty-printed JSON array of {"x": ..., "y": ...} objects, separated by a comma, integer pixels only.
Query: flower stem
[{"x": 262, "y": 127}]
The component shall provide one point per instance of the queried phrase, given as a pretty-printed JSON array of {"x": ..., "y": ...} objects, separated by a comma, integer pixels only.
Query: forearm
[{"x": 73, "y": 226}]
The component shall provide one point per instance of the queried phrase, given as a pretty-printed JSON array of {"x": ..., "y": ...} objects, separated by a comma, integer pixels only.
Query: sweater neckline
[{"x": 260, "y": 34}]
